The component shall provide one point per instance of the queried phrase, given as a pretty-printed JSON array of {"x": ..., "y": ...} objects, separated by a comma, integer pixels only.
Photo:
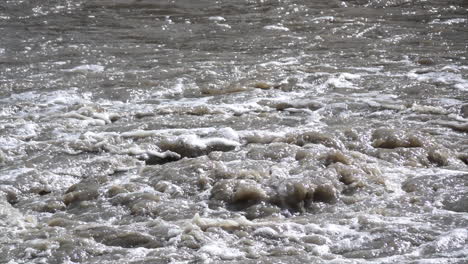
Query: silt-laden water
[{"x": 233, "y": 131}]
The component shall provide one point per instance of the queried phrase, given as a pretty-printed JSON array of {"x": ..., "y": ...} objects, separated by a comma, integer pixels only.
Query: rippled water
[{"x": 233, "y": 131}]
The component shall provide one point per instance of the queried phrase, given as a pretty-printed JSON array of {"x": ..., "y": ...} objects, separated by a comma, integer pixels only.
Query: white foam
[
  {"x": 217, "y": 141},
  {"x": 449, "y": 21},
  {"x": 321, "y": 250},
  {"x": 9, "y": 143},
  {"x": 456, "y": 79},
  {"x": 195, "y": 142},
  {"x": 27, "y": 131},
  {"x": 462, "y": 86},
  {"x": 340, "y": 82},
  {"x": 456, "y": 238},
  {"x": 396, "y": 39},
  {"x": 139, "y": 133},
  {"x": 259, "y": 136},
  {"x": 87, "y": 68},
  {"x": 229, "y": 133},
  {"x": 224, "y": 25},
  {"x": 13, "y": 174},
  {"x": 89, "y": 135},
  {"x": 429, "y": 109},
  {"x": 277, "y": 27},
  {"x": 217, "y": 222},
  {"x": 217, "y": 18},
  {"x": 369, "y": 69},
  {"x": 189, "y": 140},
  {"x": 87, "y": 121},
  {"x": 323, "y": 18},
  {"x": 50, "y": 101},
  {"x": 338, "y": 229},
  {"x": 174, "y": 231},
  {"x": 106, "y": 117},
  {"x": 138, "y": 253},
  {"x": 135, "y": 151},
  {"x": 12, "y": 219},
  {"x": 360, "y": 34},
  {"x": 452, "y": 243},
  {"x": 265, "y": 231},
  {"x": 350, "y": 76},
  {"x": 222, "y": 251}
]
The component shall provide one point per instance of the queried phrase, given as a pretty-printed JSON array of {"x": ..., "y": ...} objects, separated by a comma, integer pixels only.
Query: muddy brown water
[{"x": 240, "y": 131}]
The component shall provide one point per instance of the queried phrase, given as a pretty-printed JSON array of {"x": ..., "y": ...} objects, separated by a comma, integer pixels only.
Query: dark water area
[{"x": 233, "y": 131}]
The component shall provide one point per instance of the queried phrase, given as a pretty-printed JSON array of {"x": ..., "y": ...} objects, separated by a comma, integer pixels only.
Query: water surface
[{"x": 235, "y": 131}]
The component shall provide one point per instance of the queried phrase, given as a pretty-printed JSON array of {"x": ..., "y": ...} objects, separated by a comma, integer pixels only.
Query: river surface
[{"x": 233, "y": 131}]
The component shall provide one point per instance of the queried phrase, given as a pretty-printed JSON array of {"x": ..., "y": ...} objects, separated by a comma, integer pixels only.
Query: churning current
[{"x": 233, "y": 131}]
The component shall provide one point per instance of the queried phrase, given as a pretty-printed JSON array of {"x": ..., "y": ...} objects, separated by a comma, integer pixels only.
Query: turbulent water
[{"x": 233, "y": 131}]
